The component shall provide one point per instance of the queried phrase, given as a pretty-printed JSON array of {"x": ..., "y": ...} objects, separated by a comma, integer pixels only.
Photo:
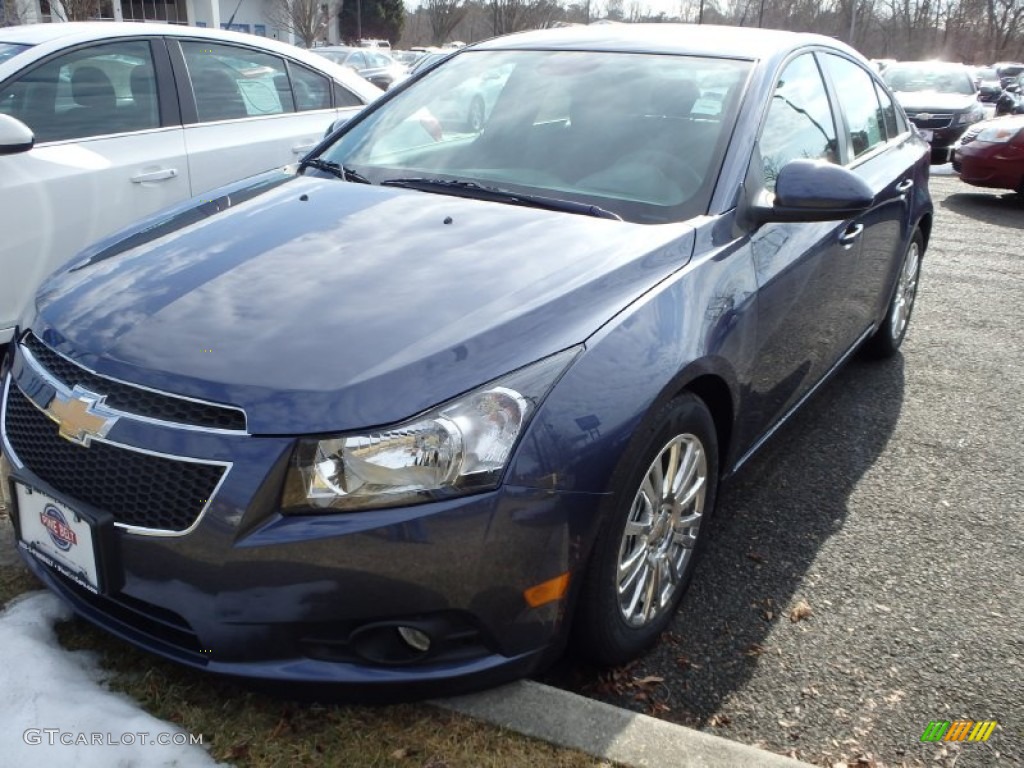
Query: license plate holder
[{"x": 72, "y": 542}]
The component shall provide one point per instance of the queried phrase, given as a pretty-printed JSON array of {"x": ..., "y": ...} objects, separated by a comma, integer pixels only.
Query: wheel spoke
[
  {"x": 652, "y": 590},
  {"x": 630, "y": 567},
  {"x": 687, "y": 537},
  {"x": 684, "y": 502},
  {"x": 668, "y": 579},
  {"x": 656, "y": 477},
  {"x": 638, "y": 528},
  {"x": 669, "y": 480},
  {"x": 638, "y": 591}
]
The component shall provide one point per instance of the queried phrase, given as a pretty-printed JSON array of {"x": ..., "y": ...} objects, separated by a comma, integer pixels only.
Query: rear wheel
[
  {"x": 644, "y": 557},
  {"x": 889, "y": 336}
]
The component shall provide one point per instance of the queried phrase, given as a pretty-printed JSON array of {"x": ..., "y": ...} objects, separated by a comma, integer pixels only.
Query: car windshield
[
  {"x": 907, "y": 78},
  {"x": 986, "y": 74},
  {"x": 10, "y": 50},
  {"x": 637, "y": 135}
]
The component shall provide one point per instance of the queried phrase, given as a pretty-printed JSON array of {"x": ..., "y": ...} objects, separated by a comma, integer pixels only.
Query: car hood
[
  {"x": 319, "y": 305},
  {"x": 934, "y": 101}
]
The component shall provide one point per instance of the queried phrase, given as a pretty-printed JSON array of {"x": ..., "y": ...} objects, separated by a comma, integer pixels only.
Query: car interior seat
[
  {"x": 217, "y": 96},
  {"x": 95, "y": 104}
]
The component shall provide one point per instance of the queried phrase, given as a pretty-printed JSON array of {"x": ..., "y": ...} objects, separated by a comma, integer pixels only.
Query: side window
[
  {"x": 312, "y": 90},
  {"x": 92, "y": 91},
  {"x": 859, "y": 101},
  {"x": 799, "y": 122},
  {"x": 230, "y": 82},
  {"x": 889, "y": 113},
  {"x": 343, "y": 97}
]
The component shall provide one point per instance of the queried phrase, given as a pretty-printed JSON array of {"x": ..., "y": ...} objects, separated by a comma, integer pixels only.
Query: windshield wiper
[
  {"x": 341, "y": 171},
  {"x": 477, "y": 191}
]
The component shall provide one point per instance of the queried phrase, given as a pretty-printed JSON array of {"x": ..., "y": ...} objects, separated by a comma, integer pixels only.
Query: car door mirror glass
[{"x": 15, "y": 136}]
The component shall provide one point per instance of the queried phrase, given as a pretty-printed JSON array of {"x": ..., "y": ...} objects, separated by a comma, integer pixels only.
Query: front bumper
[
  {"x": 247, "y": 591},
  {"x": 994, "y": 167}
]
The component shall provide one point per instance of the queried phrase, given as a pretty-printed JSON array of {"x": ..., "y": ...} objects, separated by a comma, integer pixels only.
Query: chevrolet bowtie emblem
[{"x": 80, "y": 416}]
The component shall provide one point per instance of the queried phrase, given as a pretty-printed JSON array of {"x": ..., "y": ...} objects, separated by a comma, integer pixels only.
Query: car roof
[{"x": 694, "y": 39}]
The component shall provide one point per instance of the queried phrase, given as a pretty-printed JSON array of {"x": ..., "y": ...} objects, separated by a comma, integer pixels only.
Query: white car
[{"x": 105, "y": 123}]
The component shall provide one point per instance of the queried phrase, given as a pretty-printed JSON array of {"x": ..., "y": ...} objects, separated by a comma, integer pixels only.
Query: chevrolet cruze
[{"x": 415, "y": 413}]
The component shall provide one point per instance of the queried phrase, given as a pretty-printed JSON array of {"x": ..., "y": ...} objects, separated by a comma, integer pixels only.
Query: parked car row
[
  {"x": 455, "y": 390},
  {"x": 940, "y": 98},
  {"x": 104, "y": 124},
  {"x": 991, "y": 154},
  {"x": 372, "y": 64}
]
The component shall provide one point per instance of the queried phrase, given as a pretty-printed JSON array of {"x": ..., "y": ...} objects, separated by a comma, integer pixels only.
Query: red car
[{"x": 991, "y": 154}]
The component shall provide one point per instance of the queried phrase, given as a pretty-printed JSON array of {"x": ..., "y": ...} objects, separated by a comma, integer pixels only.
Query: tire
[
  {"x": 887, "y": 340},
  {"x": 476, "y": 116},
  {"x": 644, "y": 550}
]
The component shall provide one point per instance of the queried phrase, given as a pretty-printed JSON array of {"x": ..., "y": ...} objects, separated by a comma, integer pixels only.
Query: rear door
[
  {"x": 109, "y": 150},
  {"x": 248, "y": 111},
  {"x": 881, "y": 150}
]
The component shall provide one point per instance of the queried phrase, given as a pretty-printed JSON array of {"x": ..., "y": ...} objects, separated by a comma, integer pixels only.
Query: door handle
[
  {"x": 904, "y": 186},
  {"x": 302, "y": 149},
  {"x": 852, "y": 233},
  {"x": 162, "y": 175}
]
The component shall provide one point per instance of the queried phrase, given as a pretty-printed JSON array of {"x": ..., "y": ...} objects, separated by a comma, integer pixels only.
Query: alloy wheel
[{"x": 661, "y": 531}]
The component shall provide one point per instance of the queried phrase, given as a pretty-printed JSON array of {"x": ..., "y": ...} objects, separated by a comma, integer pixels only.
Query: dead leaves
[
  {"x": 800, "y": 611},
  {"x": 648, "y": 690}
]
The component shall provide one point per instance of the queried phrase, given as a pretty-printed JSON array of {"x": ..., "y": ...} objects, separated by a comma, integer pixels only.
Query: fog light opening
[{"x": 416, "y": 639}]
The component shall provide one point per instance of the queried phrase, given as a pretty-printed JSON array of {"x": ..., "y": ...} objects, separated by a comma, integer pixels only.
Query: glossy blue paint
[
  {"x": 322, "y": 306},
  {"x": 494, "y": 290}
]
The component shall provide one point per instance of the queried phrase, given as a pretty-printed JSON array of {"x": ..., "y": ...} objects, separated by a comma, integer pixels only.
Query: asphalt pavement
[{"x": 864, "y": 575}]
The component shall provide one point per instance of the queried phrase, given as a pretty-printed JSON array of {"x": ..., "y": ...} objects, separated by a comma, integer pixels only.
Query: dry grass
[{"x": 246, "y": 728}]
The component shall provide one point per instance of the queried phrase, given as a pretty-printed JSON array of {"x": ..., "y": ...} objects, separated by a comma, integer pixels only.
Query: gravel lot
[{"x": 892, "y": 507}]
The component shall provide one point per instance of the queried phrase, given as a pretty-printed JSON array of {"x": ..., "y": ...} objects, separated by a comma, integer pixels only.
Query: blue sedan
[{"x": 414, "y": 414}]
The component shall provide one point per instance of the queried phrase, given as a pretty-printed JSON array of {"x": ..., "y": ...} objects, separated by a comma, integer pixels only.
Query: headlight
[
  {"x": 997, "y": 134},
  {"x": 457, "y": 448},
  {"x": 968, "y": 118}
]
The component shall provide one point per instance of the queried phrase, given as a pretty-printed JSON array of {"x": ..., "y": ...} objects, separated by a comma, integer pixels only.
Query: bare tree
[
  {"x": 517, "y": 15},
  {"x": 444, "y": 17},
  {"x": 306, "y": 19},
  {"x": 75, "y": 10},
  {"x": 13, "y": 12}
]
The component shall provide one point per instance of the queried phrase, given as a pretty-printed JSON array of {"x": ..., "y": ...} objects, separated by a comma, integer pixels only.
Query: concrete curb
[{"x": 607, "y": 732}]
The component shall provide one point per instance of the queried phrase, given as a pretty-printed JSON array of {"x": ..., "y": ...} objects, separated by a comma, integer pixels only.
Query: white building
[{"x": 252, "y": 16}]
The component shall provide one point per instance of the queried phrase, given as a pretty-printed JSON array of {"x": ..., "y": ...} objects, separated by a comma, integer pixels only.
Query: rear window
[{"x": 10, "y": 50}]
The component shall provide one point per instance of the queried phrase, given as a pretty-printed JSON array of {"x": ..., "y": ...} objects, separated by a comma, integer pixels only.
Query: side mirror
[
  {"x": 813, "y": 190},
  {"x": 336, "y": 125},
  {"x": 15, "y": 136}
]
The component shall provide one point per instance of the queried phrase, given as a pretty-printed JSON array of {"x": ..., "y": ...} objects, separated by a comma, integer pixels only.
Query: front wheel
[
  {"x": 664, "y": 491},
  {"x": 889, "y": 336}
]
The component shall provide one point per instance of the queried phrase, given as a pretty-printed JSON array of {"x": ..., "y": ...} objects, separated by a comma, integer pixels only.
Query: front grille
[
  {"x": 130, "y": 399},
  {"x": 138, "y": 489},
  {"x": 932, "y": 122}
]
